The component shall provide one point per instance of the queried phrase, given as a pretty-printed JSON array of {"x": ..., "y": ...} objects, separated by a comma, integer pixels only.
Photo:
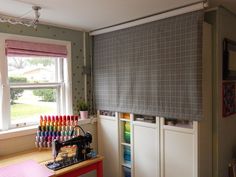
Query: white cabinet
[
  {"x": 108, "y": 143},
  {"x": 185, "y": 148},
  {"x": 162, "y": 148},
  {"x": 179, "y": 150},
  {"x": 146, "y": 149}
]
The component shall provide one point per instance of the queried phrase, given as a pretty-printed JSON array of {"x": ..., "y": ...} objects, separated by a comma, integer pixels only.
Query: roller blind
[
  {"x": 24, "y": 48},
  {"x": 153, "y": 69}
]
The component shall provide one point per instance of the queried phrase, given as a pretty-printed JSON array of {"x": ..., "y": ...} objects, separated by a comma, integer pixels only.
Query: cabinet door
[
  {"x": 178, "y": 154},
  {"x": 109, "y": 146},
  {"x": 146, "y": 148}
]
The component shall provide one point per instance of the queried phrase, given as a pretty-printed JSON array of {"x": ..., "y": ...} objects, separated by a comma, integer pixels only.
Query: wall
[
  {"x": 226, "y": 126},
  {"x": 17, "y": 144},
  {"x": 224, "y": 129},
  {"x": 210, "y": 17}
]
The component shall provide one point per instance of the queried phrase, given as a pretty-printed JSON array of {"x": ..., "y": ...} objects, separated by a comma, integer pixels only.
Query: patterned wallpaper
[{"x": 76, "y": 39}]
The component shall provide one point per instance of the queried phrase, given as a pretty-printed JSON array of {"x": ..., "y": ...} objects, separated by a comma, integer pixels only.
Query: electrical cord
[{"x": 72, "y": 132}]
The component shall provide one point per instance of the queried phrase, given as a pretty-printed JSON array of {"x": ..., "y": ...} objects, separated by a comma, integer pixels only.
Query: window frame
[{"x": 64, "y": 88}]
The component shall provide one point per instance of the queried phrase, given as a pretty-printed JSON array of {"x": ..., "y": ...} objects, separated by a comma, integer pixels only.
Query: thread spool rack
[{"x": 55, "y": 127}]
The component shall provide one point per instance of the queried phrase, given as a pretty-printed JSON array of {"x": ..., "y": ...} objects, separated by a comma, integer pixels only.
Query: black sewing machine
[{"x": 83, "y": 151}]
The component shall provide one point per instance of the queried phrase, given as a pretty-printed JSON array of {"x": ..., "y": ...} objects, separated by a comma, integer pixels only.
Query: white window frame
[{"x": 65, "y": 87}]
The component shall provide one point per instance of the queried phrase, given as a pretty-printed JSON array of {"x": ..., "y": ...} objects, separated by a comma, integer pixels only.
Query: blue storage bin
[
  {"x": 127, "y": 155},
  {"x": 127, "y": 172}
]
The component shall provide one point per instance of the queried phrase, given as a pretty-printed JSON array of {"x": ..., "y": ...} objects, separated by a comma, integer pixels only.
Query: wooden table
[{"x": 44, "y": 156}]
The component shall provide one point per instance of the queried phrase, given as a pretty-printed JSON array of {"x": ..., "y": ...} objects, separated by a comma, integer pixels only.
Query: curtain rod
[{"x": 162, "y": 15}]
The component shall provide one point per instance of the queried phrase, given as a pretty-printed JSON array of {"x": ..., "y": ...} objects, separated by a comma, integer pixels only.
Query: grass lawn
[{"x": 27, "y": 110}]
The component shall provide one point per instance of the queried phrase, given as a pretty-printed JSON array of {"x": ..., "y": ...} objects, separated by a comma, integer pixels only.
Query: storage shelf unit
[
  {"x": 125, "y": 119},
  {"x": 126, "y": 165},
  {"x": 137, "y": 137},
  {"x": 125, "y": 144},
  {"x": 153, "y": 146},
  {"x": 126, "y": 149},
  {"x": 144, "y": 118}
]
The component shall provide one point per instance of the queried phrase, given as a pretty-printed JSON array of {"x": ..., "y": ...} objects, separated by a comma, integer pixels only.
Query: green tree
[
  {"x": 43, "y": 61},
  {"x": 16, "y": 93},
  {"x": 48, "y": 95}
]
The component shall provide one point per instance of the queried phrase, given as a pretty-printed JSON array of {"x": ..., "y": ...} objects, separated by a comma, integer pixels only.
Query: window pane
[
  {"x": 28, "y": 104},
  {"x": 33, "y": 69}
]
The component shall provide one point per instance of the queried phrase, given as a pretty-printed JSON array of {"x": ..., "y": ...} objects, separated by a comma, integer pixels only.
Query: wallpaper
[{"x": 76, "y": 39}]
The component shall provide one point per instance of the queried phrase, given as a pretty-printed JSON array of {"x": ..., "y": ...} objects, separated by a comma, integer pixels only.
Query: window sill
[
  {"x": 23, "y": 131},
  {"x": 16, "y": 132}
]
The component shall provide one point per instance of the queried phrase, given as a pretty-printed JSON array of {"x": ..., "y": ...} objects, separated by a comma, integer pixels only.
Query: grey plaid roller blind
[{"x": 151, "y": 69}]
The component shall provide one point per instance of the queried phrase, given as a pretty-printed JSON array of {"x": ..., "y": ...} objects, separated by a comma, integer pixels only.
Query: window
[{"x": 33, "y": 84}]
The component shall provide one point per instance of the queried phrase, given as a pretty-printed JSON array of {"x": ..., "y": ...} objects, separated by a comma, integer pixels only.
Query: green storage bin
[
  {"x": 127, "y": 137},
  {"x": 127, "y": 127}
]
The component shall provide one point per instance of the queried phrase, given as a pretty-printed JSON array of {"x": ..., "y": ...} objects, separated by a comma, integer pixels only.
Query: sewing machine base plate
[{"x": 57, "y": 165}]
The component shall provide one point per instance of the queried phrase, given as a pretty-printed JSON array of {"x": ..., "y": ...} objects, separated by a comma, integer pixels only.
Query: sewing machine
[{"x": 83, "y": 151}]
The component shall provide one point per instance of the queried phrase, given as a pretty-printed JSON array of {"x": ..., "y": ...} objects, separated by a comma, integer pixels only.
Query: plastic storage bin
[
  {"x": 127, "y": 155},
  {"x": 127, "y": 172},
  {"x": 127, "y": 127},
  {"x": 127, "y": 137}
]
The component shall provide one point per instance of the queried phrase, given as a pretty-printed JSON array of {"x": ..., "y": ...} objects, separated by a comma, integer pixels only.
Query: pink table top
[{"x": 28, "y": 168}]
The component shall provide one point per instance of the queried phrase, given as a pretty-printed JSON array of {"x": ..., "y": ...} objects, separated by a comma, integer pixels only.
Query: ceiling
[
  {"x": 229, "y": 4},
  {"x": 89, "y": 15}
]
